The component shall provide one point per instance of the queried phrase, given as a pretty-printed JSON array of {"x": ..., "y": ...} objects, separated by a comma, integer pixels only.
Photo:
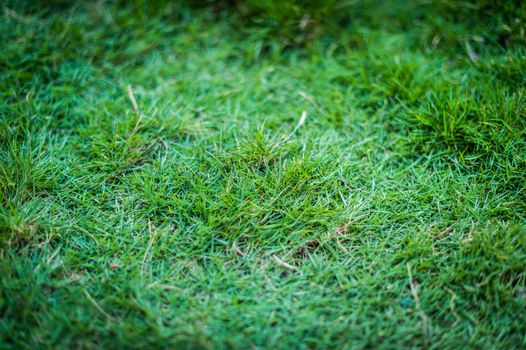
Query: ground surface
[{"x": 160, "y": 187}]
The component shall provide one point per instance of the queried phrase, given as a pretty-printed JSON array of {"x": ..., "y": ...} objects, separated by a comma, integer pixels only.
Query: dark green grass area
[{"x": 196, "y": 177}]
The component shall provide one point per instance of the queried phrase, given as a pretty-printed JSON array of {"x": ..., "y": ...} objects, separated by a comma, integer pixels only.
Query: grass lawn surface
[{"x": 174, "y": 176}]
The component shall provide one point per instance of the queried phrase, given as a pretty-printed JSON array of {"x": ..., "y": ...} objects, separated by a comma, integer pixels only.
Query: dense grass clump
[{"x": 263, "y": 174}]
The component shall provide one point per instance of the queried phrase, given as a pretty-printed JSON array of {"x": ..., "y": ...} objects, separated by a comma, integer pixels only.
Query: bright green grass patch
[{"x": 159, "y": 187}]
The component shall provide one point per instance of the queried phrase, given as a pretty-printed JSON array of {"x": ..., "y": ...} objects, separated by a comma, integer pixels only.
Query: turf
[{"x": 173, "y": 181}]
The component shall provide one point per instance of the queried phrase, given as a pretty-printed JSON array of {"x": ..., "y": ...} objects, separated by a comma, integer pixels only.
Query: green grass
[{"x": 159, "y": 187}]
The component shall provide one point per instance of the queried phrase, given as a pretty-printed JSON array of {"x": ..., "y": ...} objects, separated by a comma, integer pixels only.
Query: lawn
[{"x": 179, "y": 176}]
